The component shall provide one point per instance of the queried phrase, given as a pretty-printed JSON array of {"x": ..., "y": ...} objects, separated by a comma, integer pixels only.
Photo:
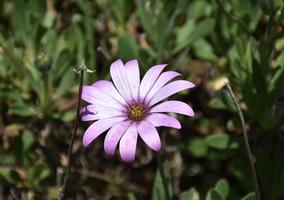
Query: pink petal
[
  {"x": 149, "y": 79},
  {"x": 98, "y": 128},
  {"x": 173, "y": 106},
  {"x": 100, "y": 98},
  {"x": 164, "y": 78},
  {"x": 108, "y": 88},
  {"x": 149, "y": 135},
  {"x": 127, "y": 144},
  {"x": 118, "y": 75},
  {"x": 133, "y": 75},
  {"x": 93, "y": 112},
  {"x": 158, "y": 119},
  {"x": 114, "y": 135},
  {"x": 170, "y": 89}
]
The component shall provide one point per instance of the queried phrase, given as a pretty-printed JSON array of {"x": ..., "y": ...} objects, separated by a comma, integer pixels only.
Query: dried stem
[
  {"x": 232, "y": 17},
  {"x": 247, "y": 146},
  {"x": 80, "y": 71}
]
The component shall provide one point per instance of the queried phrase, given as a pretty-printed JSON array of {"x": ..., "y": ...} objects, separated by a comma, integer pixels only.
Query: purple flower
[{"x": 129, "y": 108}]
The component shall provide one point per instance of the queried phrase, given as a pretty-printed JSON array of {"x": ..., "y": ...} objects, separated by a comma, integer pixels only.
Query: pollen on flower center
[{"x": 137, "y": 112}]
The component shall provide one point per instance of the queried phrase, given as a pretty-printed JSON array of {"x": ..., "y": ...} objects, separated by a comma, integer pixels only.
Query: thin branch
[
  {"x": 233, "y": 18},
  {"x": 14, "y": 195},
  {"x": 80, "y": 71},
  {"x": 247, "y": 146}
]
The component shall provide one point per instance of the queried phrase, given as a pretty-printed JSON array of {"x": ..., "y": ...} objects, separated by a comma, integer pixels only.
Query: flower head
[{"x": 129, "y": 108}]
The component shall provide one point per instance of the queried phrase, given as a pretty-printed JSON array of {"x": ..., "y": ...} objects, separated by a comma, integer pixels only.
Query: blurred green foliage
[{"x": 208, "y": 41}]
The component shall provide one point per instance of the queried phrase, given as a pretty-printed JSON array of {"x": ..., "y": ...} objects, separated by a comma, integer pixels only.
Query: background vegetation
[{"x": 208, "y": 41}]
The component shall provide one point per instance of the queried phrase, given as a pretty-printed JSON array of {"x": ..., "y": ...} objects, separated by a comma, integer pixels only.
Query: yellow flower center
[{"x": 137, "y": 112}]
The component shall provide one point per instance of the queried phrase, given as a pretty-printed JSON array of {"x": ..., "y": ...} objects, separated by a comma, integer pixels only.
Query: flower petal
[
  {"x": 118, "y": 75},
  {"x": 133, "y": 75},
  {"x": 127, "y": 144},
  {"x": 149, "y": 135},
  {"x": 158, "y": 119},
  {"x": 164, "y": 78},
  {"x": 108, "y": 88},
  {"x": 93, "y": 112},
  {"x": 114, "y": 135},
  {"x": 173, "y": 106},
  {"x": 170, "y": 89},
  {"x": 100, "y": 98},
  {"x": 149, "y": 79},
  {"x": 98, "y": 128}
]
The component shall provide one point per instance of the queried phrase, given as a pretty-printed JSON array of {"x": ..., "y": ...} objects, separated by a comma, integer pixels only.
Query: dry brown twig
[
  {"x": 247, "y": 146},
  {"x": 80, "y": 71}
]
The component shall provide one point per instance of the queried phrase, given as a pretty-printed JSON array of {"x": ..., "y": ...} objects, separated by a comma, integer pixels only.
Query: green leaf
[
  {"x": 198, "y": 147},
  {"x": 48, "y": 20},
  {"x": 161, "y": 35},
  {"x": 7, "y": 159},
  {"x": 145, "y": 17},
  {"x": 204, "y": 50},
  {"x": 74, "y": 41},
  {"x": 190, "y": 33},
  {"x": 131, "y": 196},
  {"x": 222, "y": 187},
  {"x": 12, "y": 95},
  {"x": 68, "y": 116},
  {"x": 65, "y": 84},
  {"x": 221, "y": 141},
  {"x": 199, "y": 9},
  {"x": 213, "y": 195},
  {"x": 9, "y": 175},
  {"x": 48, "y": 40},
  {"x": 275, "y": 85},
  {"x": 20, "y": 20},
  {"x": 60, "y": 65},
  {"x": 159, "y": 192},
  {"x": 220, "y": 192},
  {"x": 279, "y": 44},
  {"x": 191, "y": 194},
  {"x": 184, "y": 33},
  {"x": 21, "y": 109},
  {"x": 271, "y": 117},
  {"x": 37, "y": 173},
  {"x": 250, "y": 196},
  {"x": 128, "y": 47},
  {"x": 120, "y": 9},
  {"x": 222, "y": 100},
  {"x": 259, "y": 82},
  {"x": 27, "y": 140},
  {"x": 280, "y": 60},
  {"x": 3, "y": 69}
]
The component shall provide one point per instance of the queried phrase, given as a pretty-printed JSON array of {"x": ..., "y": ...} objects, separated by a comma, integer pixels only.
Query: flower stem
[
  {"x": 163, "y": 176},
  {"x": 80, "y": 71},
  {"x": 247, "y": 146}
]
